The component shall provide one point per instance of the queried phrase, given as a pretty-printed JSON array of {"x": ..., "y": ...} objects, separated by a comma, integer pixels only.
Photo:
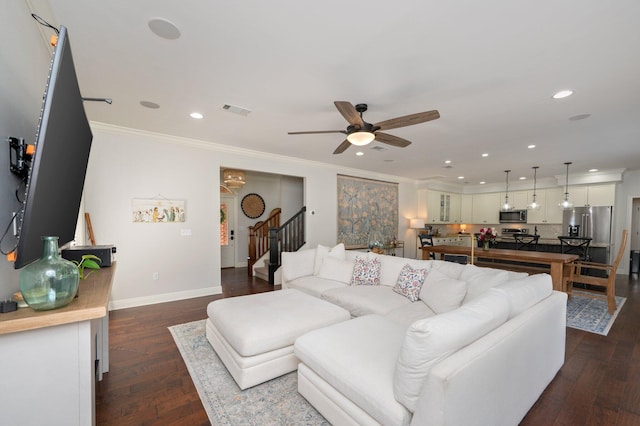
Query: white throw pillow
[
  {"x": 297, "y": 264},
  {"x": 337, "y": 252},
  {"x": 442, "y": 293},
  {"x": 366, "y": 271},
  {"x": 336, "y": 270},
  {"x": 430, "y": 340},
  {"x": 410, "y": 282}
]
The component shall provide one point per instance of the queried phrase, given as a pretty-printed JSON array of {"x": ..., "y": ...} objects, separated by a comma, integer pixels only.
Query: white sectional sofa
[{"x": 471, "y": 346}]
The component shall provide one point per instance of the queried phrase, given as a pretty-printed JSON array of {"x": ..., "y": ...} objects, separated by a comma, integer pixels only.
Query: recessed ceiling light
[
  {"x": 593, "y": 170},
  {"x": 359, "y": 153},
  {"x": 460, "y": 177},
  {"x": 531, "y": 146},
  {"x": 579, "y": 117},
  {"x": 149, "y": 104},
  {"x": 562, "y": 94},
  {"x": 523, "y": 178},
  {"x": 196, "y": 115},
  {"x": 485, "y": 154},
  {"x": 482, "y": 182},
  {"x": 447, "y": 162},
  {"x": 164, "y": 28}
]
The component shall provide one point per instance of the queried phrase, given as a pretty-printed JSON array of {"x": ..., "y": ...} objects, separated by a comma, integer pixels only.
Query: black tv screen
[{"x": 56, "y": 178}]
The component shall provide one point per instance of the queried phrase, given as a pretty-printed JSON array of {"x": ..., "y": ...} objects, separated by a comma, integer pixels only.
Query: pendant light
[
  {"x": 566, "y": 203},
  {"x": 506, "y": 206},
  {"x": 534, "y": 204}
]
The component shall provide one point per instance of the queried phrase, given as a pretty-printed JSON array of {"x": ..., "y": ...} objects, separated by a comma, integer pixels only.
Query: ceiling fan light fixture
[{"x": 361, "y": 138}]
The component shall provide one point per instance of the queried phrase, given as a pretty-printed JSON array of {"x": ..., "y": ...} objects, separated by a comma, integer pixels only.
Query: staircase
[{"x": 267, "y": 241}]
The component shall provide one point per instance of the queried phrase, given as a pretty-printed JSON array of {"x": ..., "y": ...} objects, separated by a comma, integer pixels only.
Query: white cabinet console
[{"x": 50, "y": 360}]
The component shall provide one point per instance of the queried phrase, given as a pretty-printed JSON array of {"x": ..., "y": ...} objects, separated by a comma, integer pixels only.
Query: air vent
[{"x": 236, "y": 109}]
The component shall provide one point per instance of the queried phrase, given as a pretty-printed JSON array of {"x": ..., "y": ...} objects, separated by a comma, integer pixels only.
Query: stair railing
[
  {"x": 259, "y": 237},
  {"x": 288, "y": 237}
]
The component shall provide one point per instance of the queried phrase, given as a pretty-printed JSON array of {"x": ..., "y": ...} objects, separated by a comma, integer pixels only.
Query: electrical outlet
[{"x": 155, "y": 276}]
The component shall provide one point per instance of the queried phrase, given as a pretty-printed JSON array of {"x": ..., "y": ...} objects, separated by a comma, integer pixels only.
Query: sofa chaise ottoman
[{"x": 253, "y": 335}]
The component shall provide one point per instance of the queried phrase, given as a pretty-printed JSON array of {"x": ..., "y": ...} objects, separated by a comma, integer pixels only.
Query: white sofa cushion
[
  {"x": 430, "y": 340},
  {"x": 336, "y": 269},
  {"x": 526, "y": 292},
  {"x": 297, "y": 264},
  {"x": 365, "y": 299},
  {"x": 451, "y": 269},
  {"x": 390, "y": 267},
  {"x": 263, "y": 322},
  {"x": 410, "y": 282},
  {"x": 358, "y": 358},
  {"x": 337, "y": 252},
  {"x": 480, "y": 280},
  {"x": 366, "y": 271},
  {"x": 442, "y": 293},
  {"x": 406, "y": 315},
  {"x": 314, "y": 286}
]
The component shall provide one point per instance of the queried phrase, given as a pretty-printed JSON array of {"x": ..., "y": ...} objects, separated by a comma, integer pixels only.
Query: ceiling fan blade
[
  {"x": 318, "y": 131},
  {"x": 392, "y": 140},
  {"x": 349, "y": 112},
  {"x": 408, "y": 120},
  {"x": 342, "y": 147}
]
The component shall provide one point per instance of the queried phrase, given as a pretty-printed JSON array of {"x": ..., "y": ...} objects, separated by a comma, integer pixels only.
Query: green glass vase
[{"x": 50, "y": 282}]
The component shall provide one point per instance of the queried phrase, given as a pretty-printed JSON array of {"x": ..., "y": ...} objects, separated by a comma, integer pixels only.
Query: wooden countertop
[{"x": 92, "y": 303}]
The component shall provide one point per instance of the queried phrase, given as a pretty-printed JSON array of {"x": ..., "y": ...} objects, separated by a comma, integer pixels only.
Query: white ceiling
[{"x": 489, "y": 67}]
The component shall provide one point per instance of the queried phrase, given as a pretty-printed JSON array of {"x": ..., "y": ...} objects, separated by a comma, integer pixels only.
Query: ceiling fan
[{"x": 360, "y": 133}]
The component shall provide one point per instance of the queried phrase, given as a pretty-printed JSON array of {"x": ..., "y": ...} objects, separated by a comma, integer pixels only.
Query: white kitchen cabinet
[
  {"x": 455, "y": 215},
  {"x": 433, "y": 206},
  {"x": 549, "y": 211},
  {"x": 486, "y": 208},
  {"x": 593, "y": 195},
  {"x": 517, "y": 199},
  {"x": 466, "y": 208}
]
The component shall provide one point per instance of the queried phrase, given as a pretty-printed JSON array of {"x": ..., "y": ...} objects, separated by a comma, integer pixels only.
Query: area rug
[
  {"x": 591, "y": 314},
  {"x": 276, "y": 402}
]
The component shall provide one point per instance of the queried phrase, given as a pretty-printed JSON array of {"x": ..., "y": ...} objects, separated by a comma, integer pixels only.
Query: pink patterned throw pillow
[
  {"x": 410, "y": 282},
  {"x": 366, "y": 271}
]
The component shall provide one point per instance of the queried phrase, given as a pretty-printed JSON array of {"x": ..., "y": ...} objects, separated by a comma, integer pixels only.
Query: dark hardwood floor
[{"x": 148, "y": 383}]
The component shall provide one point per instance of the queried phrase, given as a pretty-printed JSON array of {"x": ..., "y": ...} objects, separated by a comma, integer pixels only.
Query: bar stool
[
  {"x": 427, "y": 241},
  {"x": 527, "y": 242},
  {"x": 575, "y": 245}
]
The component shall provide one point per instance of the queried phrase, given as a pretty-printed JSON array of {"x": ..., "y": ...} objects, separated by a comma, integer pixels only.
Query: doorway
[{"x": 227, "y": 231}]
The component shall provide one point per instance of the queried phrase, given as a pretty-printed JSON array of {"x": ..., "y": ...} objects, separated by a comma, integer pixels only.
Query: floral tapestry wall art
[
  {"x": 157, "y": 210},
  {"x": 366, "y": 209}
]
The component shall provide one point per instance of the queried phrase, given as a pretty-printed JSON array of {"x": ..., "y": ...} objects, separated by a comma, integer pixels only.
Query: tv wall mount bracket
[{"x": 20, "y": 155}]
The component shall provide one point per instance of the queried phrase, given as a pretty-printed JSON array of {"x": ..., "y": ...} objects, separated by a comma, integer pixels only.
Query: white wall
[
  {"x": 622, "y": 213},
  {"x": 128, "y": 164}
]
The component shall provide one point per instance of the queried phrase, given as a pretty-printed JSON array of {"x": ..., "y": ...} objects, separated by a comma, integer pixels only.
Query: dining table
[{"x": 558, "y": 263}]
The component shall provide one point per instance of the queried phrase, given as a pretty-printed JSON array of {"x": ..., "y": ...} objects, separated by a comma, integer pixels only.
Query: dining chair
[{"x": 579, "y": 270}]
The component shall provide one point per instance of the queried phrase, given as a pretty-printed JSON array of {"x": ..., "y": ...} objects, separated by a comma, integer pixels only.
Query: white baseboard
[{"x": 162, "y": 298}]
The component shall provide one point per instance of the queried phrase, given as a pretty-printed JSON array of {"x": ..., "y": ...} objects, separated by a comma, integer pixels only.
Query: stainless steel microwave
[{"x": 513, "y": 216}]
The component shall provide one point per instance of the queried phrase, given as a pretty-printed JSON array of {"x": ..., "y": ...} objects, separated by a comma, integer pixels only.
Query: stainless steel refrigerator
[{"x": 591, "y": 222}]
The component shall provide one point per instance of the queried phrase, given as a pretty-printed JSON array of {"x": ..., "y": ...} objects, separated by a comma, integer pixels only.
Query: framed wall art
[
  {"x": 366, "y": 208},
  {"x": 157, "y": 210}
]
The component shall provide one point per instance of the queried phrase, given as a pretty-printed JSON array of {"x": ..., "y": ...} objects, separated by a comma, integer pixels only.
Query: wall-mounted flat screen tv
[{"x": 56, "y": 178}]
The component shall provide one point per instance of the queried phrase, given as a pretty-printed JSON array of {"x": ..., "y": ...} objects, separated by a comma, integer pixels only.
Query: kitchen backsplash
[{"x": 545, "y": 231}]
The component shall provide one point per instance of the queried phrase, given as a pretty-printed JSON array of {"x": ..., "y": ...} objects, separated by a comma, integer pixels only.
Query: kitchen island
[{"x": 498, "y": 258}]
